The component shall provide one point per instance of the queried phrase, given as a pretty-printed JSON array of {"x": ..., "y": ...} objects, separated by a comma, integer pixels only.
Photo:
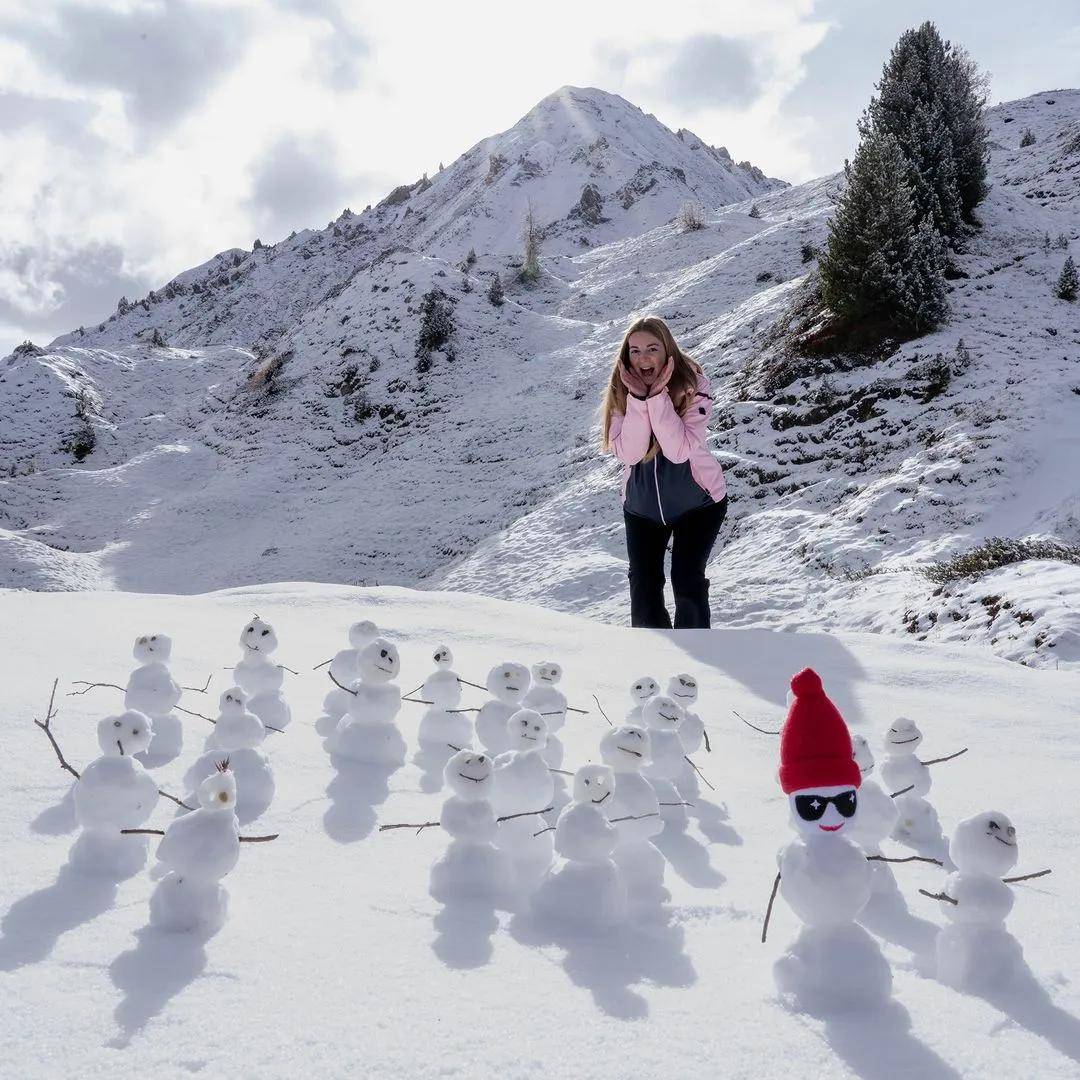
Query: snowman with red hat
[{"x": 824, "y": 874}]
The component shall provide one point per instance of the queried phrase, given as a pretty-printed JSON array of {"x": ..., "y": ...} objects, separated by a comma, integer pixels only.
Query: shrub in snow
[
  {"x": 436, "y": 325},
  {"x": 998, "y": 551},
  {"x": 1028, "y": 139},
  {"x": 808, "y": 252},
  {"x": 690, "y": 217},
  {"x": 495, "y": 292},
  {"x": 755, "y": 212},
  {"x": 1062, "y": 241},
  {"x": 1068, "y": 282}
]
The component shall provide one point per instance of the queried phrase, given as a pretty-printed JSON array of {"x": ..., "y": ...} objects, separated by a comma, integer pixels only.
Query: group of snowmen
[
  {"x": 585, "y": 855},
  {"x": 116, "y": 794},
  {"x": 830, "y": 871}
]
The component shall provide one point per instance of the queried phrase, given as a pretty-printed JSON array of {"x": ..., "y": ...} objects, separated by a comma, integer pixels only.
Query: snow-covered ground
[{"x": 335, "y": 961}]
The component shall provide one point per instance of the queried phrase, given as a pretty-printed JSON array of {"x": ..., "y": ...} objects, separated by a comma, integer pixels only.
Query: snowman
[
  {"x": 876, "y": 818},
  {"x": 440, "y": 726},
  {"x": 587, "y": 889},
  {"x": 902, "y": 771},
  {"x": 635, "y": 811},
  {"x": 975, "y": 951},
  {"x": 344, "y": 670},
  {"x": 523, "y": 786},
  {"x": 115, "y": 792},
  {"x": 260, "y": 677},
  {"x": 239, "y": 734},
  {"x": 824, "y": 876},
  {"x": 640, "y": 691},
  {"x": 508, "y": 684},
  {"x": 471, "y": 867},
  {"x": 152, "y": 691},
  {"x": 367, "y": 732},
  {"x": 548, "y": 700},
  {"x": 198, "y": 850},
  {"x": 683, "y": 690},
  {"x": 667, "y": 764}
]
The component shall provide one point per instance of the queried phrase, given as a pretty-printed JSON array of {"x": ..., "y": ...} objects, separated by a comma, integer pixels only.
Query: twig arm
[
  {"x": 909, "y": 858},
  {"x": 1025, "y": 877},
  {"x": 939, "y": 896},
  {"x": 45, "y": 726},
  {"x": 768, "y": 909},
  {"x": 948, "y": 757}
]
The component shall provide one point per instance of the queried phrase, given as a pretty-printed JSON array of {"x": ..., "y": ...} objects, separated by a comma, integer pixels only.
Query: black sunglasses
[{"x": 811, "y": 807}]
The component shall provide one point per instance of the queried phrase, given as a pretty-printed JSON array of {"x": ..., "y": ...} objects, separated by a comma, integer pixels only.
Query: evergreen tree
[
  {"x": 931, "y": 99},
  {"x": 530, "y": 271},
  {"x": 755, "y": 211},
  {"x": 1069, "y": 281},
  {"x": 436, "y": 324},
  {"x": 883, "y": 259},
  {"x": 495, "y": 293},
  {"x": 1028, "y": 138}
]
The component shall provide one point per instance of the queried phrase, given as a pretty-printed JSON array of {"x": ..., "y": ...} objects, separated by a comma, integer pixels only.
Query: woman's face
[{"x": 647, "y": 357}]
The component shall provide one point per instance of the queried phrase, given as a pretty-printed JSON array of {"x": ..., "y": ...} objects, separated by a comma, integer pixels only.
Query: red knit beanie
[{"x": 815, "y": 746}]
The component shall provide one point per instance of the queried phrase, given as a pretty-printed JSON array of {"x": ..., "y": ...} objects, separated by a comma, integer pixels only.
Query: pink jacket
[{"x": 681, "y": 438}]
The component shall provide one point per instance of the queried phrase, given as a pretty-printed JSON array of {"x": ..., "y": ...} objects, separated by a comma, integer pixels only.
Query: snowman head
[
  {"x": 625, "y": 748},
  {"x": 984, "y": 844},
  {"x": 508, "y": 682},
  {"x": 443, "y": 657},
  {"x": 362, "y": 633},
  {"x": 644, "y": 688},
  {"x": 124, "y": 734},
  {"x": 527, "y": 729},
  {"x": 863, "y": 755},
  {"x": 469, "y": 775},
  {"x": 233, "y": 700},
  {"x": 218, "y": 791},
  {"x": 823, "y": 811},
  {"x": 547, "y": 673},
  {"x": 379, "y": 661},
  {"x": 594, "y": 784},
  {"x": 150, "y": 647},
  {"x": 259, "y": 637},
  {"x": 661, "y": 713},
  {"x": 684, "y": 689},
  {"x": 903, "y": 737}
]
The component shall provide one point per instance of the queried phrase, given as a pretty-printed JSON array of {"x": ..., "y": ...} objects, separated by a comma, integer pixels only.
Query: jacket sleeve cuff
[{"x": 636, "y": 403}]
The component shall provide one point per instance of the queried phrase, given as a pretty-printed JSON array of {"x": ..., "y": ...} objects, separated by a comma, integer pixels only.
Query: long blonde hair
[{"x": 681, "y": 388}]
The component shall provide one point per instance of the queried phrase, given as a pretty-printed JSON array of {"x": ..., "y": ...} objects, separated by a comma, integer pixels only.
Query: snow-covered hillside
[
  {"x": 325, "y": 455},
  {"x": 336, "y": 961}
]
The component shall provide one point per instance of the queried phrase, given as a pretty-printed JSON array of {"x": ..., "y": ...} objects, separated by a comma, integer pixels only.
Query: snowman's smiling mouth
[
  {"x": 669, "y": 719},
  {"x": 389, "y": 671},
  {"x": 682, "y": 695},
  {"x": 602, "y": 797},
  {"x": 901, "y": 742},
  {"x": 474, "y": 779},
  {"x": 1000, "y": 841},
  {"x": 627, "y": 750},
  {"x": 529, "y": 737},
  {"x": 831, "y": 828}
]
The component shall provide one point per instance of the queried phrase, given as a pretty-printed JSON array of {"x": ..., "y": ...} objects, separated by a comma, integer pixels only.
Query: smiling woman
[{"x": 655, "y": 418}]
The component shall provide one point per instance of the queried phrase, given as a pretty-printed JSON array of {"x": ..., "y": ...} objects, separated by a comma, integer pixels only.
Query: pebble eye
[
  {"x": 382, "y": 653},
  {"x": 223, "y": 796},
  {"x": 265, "y": 632},
  {"x": 995, "y": 825},
  {"x": 116, "y": 723}
]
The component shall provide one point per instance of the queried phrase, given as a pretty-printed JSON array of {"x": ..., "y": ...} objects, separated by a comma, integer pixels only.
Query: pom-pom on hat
[{"x": 815, "y": 746}]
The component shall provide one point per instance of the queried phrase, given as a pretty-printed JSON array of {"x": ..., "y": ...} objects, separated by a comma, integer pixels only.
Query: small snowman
[
  {"x": 523, "y": 786},
  {"x": 640, "y": 691},
  {"x": 635, "y": 811},
  {"x": 344, "y": 670},
  {"x": 471, "y": 867},
  {"x": 667, "y": 764},
  {"x": 238, "y": 733},
  {"x": 683, "y": 690},
  {"x": 876, "y": 818},
  {"x": 976, "y": 951},
  {"x": 260, "y": 677},
  {"x": 152, "y": 691},
  {"x": 587, "y": 889},
  {"x": 547, "y": 699},
  {"x": 507, "y": 683},
  {"x": 440, "y": 726},
  {"x": 824, "y": 876},
  {"x": 198, "y": 850},
  {"x": 367, "y": 732},
  {"x": 115, "y": 792},
  {"x": 901, "y": 770}
]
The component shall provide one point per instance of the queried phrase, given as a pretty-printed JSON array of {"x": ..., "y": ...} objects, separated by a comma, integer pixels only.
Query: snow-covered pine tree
[
  {"x": 530, "y": 270},
  {"x": 495, "y": 292},
  {"x": 1069, "y": 282},
  {"x": 882, "y": 258},
  {"x": 1028, "y": 138},
  {"x": 930, "y": 98}
]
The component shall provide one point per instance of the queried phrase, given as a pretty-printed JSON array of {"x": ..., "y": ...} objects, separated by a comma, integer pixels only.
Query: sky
[{"x": 140, "y": 137}]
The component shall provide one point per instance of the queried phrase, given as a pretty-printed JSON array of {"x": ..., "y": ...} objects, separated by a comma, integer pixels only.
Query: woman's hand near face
[
  {"x": 660, "y": 383},
  {"x": 633, "y": 382}
]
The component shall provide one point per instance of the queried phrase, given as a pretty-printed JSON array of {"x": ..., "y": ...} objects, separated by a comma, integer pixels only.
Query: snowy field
[{"x": 335, "y": 960}]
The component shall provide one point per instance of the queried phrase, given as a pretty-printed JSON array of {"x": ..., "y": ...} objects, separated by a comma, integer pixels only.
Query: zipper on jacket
[{"x": 656, "y": 480}]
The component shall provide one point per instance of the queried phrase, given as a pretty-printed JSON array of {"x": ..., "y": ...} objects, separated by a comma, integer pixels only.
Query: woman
[{"x": 655, "y": 416}]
